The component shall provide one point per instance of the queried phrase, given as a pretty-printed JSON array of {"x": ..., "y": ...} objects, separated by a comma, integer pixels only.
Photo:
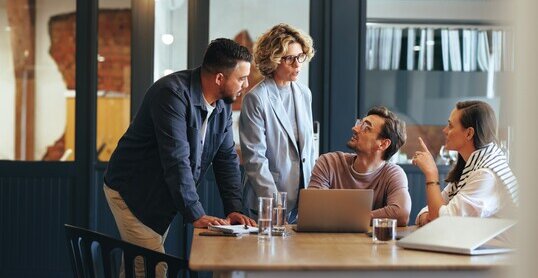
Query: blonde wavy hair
[{"x": 273, "y": 45}]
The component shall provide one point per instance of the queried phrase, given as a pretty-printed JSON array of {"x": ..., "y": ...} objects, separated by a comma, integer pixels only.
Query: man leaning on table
[
  {"x": 182, "y": 127},
  {"x": 375, "y": 139}
]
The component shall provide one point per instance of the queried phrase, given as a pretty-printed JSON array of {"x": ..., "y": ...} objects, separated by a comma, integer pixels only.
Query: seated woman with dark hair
[{"x": 481, "y": 183}]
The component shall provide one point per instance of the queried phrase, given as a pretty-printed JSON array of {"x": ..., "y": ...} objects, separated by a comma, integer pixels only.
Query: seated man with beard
[{"x": 375, "y": 139}]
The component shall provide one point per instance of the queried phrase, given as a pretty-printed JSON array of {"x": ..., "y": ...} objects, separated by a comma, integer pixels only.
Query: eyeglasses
[
  {"x": 290, "y": 58},
  {"x": 362, "y": 125}
]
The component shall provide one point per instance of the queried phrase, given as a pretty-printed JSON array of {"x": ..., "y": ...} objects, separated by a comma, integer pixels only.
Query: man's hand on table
[
  {"x": 206, "y": 220},
  {"x": 238, "y": 218}
]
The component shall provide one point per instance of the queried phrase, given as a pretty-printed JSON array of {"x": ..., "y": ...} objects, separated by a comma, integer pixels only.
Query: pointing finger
[{"x": 423, "y": 145}]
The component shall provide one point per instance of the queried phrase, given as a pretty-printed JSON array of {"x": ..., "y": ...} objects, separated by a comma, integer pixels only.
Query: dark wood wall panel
[
  {"x": 35, "y": 204},
  {"x": 101, "y": 218}
]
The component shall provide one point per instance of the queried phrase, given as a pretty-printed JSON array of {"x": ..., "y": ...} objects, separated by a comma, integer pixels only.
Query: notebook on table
[
  {"x": 334, "y": 210},
  {"x": 461, "y": 235},
  {"x": 233, "y": 229}
]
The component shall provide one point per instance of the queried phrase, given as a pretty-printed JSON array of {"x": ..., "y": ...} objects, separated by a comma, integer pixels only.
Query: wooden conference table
[{"x": 331, "y": 255}]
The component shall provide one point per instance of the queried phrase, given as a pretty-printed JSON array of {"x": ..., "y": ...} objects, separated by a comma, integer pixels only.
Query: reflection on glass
[
  {"x": 170, "y": 37},
  {"x": 38, "y": 43},
  {"x": 37, "y": 53},
  {"x": 113, "y": 74},
  {"x": 420, "y": 73}
]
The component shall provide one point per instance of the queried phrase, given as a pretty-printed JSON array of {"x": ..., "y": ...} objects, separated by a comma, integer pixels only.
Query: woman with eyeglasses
[
  {"x": 275, "y": 126},
  {"x": 481, "y": 183}
]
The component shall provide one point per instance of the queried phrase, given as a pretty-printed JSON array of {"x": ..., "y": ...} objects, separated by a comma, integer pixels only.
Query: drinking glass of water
[
  {"x": 279, "y": 213},
  {"x": 265, "y": 216}
]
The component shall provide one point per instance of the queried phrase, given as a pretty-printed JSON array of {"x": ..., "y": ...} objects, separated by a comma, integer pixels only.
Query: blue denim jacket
[{"x": 159, "y": 161}]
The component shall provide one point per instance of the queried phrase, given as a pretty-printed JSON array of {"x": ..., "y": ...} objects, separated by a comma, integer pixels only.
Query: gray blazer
[{"x": 271, "y": 157}]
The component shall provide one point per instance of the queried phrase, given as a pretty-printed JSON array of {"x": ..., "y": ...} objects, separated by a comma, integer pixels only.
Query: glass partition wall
[
  {"x": 420, "y": 67},
  {"x": 113, "y": 74},
  {"x": 37, "y": 39},
  {"x": 37, "y": 47},
  {"x": 170, "y": 37},
  {"x": 37, "y": 99},
  {"x": 422, "y": 71}
]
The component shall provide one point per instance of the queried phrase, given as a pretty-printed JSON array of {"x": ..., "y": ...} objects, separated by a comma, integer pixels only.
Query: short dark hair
[
  {"x": 393, "y": 129},
  {"x": 223, "y": 54},
  {"x": 480, "y": 116}
]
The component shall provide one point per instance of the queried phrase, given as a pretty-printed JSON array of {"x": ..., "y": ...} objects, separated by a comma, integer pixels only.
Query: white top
[
  {"x": 484, "y": 195},
  {"x": 286, "y": 94},
  {"x": 203, "y": 130}
]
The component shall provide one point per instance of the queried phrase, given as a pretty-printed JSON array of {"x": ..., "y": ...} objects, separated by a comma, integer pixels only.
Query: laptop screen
[{"x": 334, "y": 210}]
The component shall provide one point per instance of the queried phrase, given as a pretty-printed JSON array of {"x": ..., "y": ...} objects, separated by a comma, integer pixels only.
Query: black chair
[{"x": 86, "y": 260}]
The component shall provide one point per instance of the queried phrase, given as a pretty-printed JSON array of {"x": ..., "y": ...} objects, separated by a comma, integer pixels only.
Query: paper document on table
[{"x": 234, "y": 229}]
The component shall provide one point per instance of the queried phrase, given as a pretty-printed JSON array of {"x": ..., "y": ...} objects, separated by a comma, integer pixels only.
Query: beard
[
  {"x": 350, "y": 145},
  {"x": 229, "y": 100},
  {"x": 353, "y": 145}
]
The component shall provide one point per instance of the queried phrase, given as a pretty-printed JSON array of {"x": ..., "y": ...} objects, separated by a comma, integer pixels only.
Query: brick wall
[{"x": 114, "y": 48}]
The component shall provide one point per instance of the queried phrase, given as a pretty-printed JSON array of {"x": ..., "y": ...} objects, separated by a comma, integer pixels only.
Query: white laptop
[
  {"x": 462, "y": 235},
  {"x": 334, "y": 210}
]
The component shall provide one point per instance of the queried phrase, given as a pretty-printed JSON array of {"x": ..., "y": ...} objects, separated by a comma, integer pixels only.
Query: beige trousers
[{"x": 133, "y": 231}]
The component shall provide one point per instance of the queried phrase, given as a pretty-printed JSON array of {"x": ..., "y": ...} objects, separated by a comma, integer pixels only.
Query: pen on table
[{"x": 215, "y": 233}]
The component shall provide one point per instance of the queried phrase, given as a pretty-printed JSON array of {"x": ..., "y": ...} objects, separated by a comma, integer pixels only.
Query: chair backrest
[{"x": 81, "y": 242}]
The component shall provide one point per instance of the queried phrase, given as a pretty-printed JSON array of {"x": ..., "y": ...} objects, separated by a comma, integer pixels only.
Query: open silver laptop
[
  {"x": 334, "y": 210},
  {"x": 462, "y": 235}
]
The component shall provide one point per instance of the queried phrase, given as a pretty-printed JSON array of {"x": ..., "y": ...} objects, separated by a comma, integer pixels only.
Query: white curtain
[
  {"x": 372, "y": 38},
  {"x": 477, "y": 50},
  {"x": 445, "y": 49},
  {"x": 396, "y": 48},
  {"x": 410, "y": 48},
  {"x": 385, "y": 48},
  {"x": 474, "y": 38},
  {"x": 496, "y": 48},
  {"x": 368, "y": 48},
  {"x": 483, "y": 51},
  {"x": 455, "y": 54},
  {"x": 467, "y": 50},
  {"x": 430, "y": 43},
  {"x": 422, "y": 50}
]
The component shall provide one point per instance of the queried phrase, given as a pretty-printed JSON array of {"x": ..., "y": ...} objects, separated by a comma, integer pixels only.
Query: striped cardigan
[{"x": 492, "y": 158}]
